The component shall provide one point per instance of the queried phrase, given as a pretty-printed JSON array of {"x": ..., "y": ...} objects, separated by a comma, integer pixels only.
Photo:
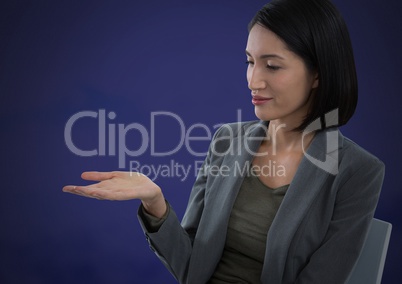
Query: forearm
[{"x": 171, "y": 243}]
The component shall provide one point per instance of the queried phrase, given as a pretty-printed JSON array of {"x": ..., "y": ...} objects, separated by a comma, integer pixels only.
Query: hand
[{"x": 122, "y": 186}]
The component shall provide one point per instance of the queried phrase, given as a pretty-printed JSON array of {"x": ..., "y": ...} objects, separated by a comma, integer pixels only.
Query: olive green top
[{"x": 251, "y": 217}]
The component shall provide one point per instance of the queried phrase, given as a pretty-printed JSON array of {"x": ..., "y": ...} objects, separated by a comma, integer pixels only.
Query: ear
[{"x": 315, "y": 81}]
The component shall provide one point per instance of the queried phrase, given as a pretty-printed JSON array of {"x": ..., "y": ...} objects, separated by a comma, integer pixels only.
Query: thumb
[{"x": 97, "y": 176}]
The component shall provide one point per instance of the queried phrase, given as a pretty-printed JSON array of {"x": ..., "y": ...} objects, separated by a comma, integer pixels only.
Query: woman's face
[{"x": 279, "y": 79}]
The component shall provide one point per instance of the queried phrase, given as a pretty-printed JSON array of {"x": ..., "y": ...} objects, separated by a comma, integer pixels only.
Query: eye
[
  {"x": 249, "y": 62},
  {"x": 273, "y": 68}
]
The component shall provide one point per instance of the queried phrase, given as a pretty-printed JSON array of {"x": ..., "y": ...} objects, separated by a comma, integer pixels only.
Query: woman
[{"x": 304, "y": 222}]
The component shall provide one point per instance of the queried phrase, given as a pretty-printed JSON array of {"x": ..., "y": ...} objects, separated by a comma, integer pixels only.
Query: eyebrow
[{"x": 264, "y": 56}]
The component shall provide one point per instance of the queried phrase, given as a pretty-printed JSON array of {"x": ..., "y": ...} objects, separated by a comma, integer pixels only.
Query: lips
[{"x": 259, "y": 100}]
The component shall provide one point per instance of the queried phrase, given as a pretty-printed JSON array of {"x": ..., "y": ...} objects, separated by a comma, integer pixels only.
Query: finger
[
  {"x": 73, "y": 189},
  {"x": 68, "y": 188},
  {"x": 86, "y": 191},
  {"x": 77, "y": 189},
  {"x": 97, "y": 176}
]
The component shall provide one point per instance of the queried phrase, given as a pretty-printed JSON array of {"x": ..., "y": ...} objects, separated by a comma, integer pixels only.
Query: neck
[{"x": 283, "y": 139}]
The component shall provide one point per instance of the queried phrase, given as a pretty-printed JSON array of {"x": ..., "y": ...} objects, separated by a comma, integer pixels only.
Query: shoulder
[
  {"x": 356, "y": 163},
  {"x": 354, "y": 155},
  {"x": 331, "y": 143},
  {"x": 333, "y": 153}
]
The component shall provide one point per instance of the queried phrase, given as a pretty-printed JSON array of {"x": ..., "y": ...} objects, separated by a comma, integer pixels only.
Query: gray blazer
[{"x": 318, "y": 231}]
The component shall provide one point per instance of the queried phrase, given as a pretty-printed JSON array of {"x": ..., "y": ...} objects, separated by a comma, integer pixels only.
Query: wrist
[{"x": 155, "y": 206}]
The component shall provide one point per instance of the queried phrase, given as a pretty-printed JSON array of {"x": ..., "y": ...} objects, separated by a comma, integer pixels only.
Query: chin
[{"x": 264, "y": 115}]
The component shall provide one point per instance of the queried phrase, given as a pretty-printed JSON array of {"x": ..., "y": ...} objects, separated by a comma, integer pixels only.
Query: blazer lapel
[
  {"x": 305, "y": 185},
  {"x": 213, "y": 226}
]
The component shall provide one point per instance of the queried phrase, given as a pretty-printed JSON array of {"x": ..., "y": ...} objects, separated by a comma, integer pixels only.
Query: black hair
[{"x": 315, "y": 31}]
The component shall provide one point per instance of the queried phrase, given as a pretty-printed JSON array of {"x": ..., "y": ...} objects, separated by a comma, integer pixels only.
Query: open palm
[{"x": 122, "y": 186}]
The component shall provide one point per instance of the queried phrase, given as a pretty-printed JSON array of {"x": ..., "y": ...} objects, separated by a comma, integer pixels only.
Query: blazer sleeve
[
  {"x": 172, "y": 242},
  {"x": 354, "y": 209}
]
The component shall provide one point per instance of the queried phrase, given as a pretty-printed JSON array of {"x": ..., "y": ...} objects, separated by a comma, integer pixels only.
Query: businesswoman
[{"x": 304, "y": 222}]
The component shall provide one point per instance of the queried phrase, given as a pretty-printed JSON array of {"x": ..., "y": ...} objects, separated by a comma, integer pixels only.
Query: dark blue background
[{"x": 61, "y": 57}]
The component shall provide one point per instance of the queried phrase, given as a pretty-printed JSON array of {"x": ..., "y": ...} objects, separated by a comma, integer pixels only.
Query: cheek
[
  {"x": 283, "y": 86},
  {"x": 292, "y": 86}
]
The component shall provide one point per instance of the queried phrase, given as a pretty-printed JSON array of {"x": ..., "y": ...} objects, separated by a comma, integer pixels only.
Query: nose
[{"x": 255, "y": 78}]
